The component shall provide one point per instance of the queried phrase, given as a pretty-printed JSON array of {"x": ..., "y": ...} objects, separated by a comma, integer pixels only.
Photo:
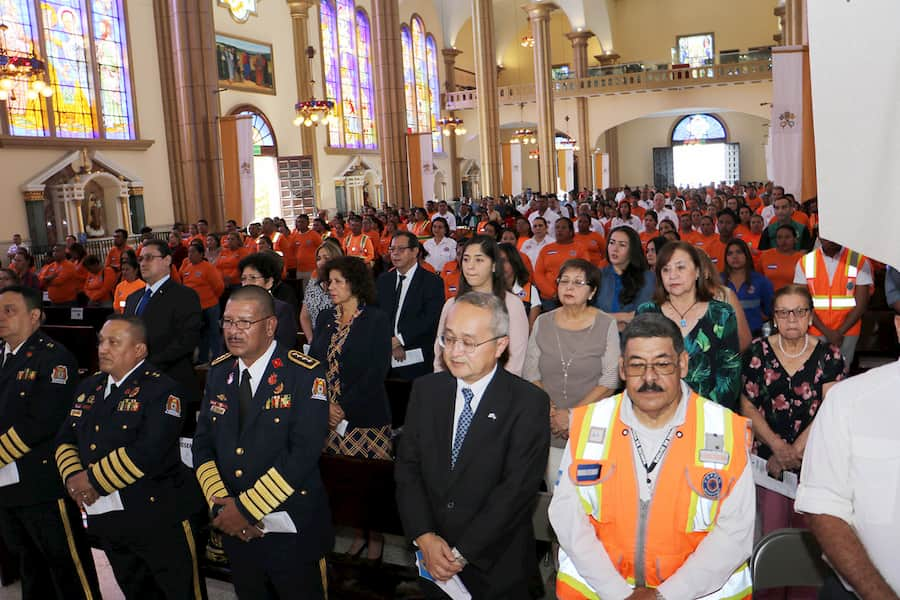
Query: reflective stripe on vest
[
  {"x": 598, "y": 441},
  {"x": 839, "y": 299}
]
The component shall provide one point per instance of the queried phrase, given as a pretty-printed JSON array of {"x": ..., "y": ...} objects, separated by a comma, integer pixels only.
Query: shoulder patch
[
  {"x": 222, "y": 358},
  {"x": 304, "y": 360}
]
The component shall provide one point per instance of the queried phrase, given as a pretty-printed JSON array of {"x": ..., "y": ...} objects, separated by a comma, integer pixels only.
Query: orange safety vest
[
  {"x": 693, "y": 480},
  {"x": 833, "y": 301}
]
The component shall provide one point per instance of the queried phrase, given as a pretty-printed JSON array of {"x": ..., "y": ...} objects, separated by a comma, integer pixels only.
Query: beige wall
[
  {"x": 637, "y": 139},
  {"x": 646, "y": 29},
  {"x": 151, "y": 165}
]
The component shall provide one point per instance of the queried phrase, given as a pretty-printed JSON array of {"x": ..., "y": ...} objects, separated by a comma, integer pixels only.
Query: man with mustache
[{"x": 655, "y": 496}]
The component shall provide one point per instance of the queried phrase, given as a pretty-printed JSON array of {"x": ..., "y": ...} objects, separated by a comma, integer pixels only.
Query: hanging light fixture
[
  {"x": 534, "y": 154},
  {"x": 313, "y": 111},
  {"x": 451, "y": 125},
  {"x": 568, "y": 142},
  {"x": 20, "y": 67},
  {"x": 527, "y": 41},
  {"x": 523, "y": 135}
]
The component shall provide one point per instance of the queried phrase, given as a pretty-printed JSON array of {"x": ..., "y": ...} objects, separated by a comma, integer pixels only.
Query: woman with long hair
[
  {"x": 627, "y": 282},
  {"x": 518, "y": 281},
  {"x": 482, "y": 271},
  {"x": 709, "y": 326},
  {"x": 753, "y": 290}
]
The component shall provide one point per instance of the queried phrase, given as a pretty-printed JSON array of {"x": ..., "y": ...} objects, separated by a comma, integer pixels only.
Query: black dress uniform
[
  {"x": 269, "y": 463},
  {"x": 38, "y": 521},
  {"x": 128, "y": 442}
]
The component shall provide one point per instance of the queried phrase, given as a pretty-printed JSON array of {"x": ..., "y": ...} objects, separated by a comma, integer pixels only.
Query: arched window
[
  {"x": 346, "y": 52},
  {"x": 264, "y": 143},
  {"x": 420, "y": 80},
  {"x": 698, "y": 129},
  {"x": 86, "y": 52}
]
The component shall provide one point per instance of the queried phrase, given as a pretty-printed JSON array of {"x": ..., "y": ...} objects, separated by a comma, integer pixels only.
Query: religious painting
[{"x": 245, "y": 65}]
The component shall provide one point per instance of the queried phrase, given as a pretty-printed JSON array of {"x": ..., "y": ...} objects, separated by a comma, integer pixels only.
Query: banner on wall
[
  {"x": 236, "y": 138},
  {"x": 857, "y": 130},
  {"x": 787, "y": 118},
  {"x": 421, "y": 168}
]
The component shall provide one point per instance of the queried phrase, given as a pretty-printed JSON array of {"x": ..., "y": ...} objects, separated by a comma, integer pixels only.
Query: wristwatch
[{"x": 459, "y": 557}]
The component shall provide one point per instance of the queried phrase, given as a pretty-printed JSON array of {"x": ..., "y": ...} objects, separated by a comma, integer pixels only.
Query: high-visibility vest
[
  {"x": 359, "y": 251},
  {"x": 693, "y": 480},
  {"x": 833, "y": 301}
]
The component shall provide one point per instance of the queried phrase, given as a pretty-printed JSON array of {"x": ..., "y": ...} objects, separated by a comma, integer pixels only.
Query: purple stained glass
[
  {"x": 328, "y": 20},
  {"x": 366, "y": 87},
  {"x": 409, "y": 80},
  {"x": 110, "y": 53},
  {"x": 420, "y": 68},
  {"x": 65, "y": 28},
  {"x": 349, "y": 74},
  {"x": 435, "y": 91},
  {"x": 27, "y": 113}
]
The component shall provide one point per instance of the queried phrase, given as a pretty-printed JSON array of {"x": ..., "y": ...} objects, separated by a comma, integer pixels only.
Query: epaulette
[
  {"x": 222, "y": 358},
  {"x": 304, "y": 360}
]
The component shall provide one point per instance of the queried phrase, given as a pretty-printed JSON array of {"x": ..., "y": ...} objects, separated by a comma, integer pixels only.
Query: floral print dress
[
  {"x": 714, "y": 369},
  {"x": 788, "y": 402}
]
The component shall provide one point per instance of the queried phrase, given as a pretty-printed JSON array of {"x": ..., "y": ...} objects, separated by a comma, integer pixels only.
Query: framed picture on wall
[{"x": 244, "y": 64}]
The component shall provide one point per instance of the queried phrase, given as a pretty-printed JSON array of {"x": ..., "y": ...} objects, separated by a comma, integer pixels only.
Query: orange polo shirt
[
  {"x": 114, "y": 257},
  {"x": 450, "y": 275},
  {"x": 227, "y": 264},
  {"x": 715, "y": 250},
  {"x": 376, "y": 241},
  {"x": 702, "y": 241},
  {"x": 777, "y": 267},
  {"x": 359, "y": 245},
  {"x": 66, "y": 285},
  {"x": 250, "y": 244},
  {"x": 304, "y": 249},
  {"x": 99, "y": 286},
  {"x": 550, "y": 260},
  {"x": 742, "y": 232},
  {"x": 123, "y": 290},
  {"x": 595, "y": 245},
  {"x": 420, "y": 230},
  {"x": 204, "y": 279}
]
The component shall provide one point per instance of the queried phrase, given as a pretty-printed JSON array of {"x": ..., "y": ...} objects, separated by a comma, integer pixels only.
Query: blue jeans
[{"x": 210, "y": 337}]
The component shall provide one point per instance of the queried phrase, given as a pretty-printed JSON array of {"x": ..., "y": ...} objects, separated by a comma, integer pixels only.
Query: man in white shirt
[
  {"x": 626, "y": 218},
  {"x": 443, "y": 212},
  {"x": 662, "y": 211},
  {"x": 548, "y": 215},
  {"x": 850, "y": 481},
  {"x": 532, "y": 246},
  {"x": 17, "y": 243},
  {"x": 585, "y": 209}
]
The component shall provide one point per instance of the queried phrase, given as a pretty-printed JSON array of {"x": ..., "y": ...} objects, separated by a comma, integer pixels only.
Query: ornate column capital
[
  {"x": 539, "y": 10},
  {"x": 450, "y": 54},
  {"x": 580, "y": 38},
  {"x": 300, "y": 8}
]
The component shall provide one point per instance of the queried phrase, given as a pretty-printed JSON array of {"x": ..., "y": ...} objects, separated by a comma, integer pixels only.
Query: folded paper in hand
[
  {"x": 105, "y": 504},
  {"x": 278, "y": 522},
  {"x": 414, "y": 356},
  {"x": 786, "y": 486},
  {"x": 9, "y": 474},
  {"x": 453, "y": 587}
]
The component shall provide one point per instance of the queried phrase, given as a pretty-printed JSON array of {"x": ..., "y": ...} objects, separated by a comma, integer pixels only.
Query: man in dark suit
[
  {"x": 173, "y": 318},
  {"x": 413, "y": 297},
  {"x": 262, "y": 426},
  {"x": 471, "y": 459}
]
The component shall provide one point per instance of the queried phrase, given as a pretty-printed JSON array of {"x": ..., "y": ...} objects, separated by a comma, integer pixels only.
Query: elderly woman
[
  {"x": 353, "y": 340},
  {"x": 785, "y": 378},
  {"x": 263, "y": 269},
  {"x": 709, "y": 326},
  {"x": 315, "y": 298},
  {"x": 573, "y": 353},
  {"x": 626, "y": 282}
]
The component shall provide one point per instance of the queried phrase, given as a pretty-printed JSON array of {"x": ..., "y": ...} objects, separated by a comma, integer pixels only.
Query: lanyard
[{"x": 659, "y": 453}]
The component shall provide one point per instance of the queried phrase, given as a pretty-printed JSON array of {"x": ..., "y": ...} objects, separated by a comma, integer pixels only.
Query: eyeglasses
[
  {"x": 241, "y": 324},
  {"x": 783, "y": 313},
  {"x": 148, "y": 257},
  {"x": 396, "y": 249},
  {"x": 563, "y": 282},
  {"x": 638, "y": 369},
  {"x": 449, "y": 342},
  {"x": 246, "y": 278}
]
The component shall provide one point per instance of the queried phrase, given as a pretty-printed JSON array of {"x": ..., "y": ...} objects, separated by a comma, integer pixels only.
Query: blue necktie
[
  {"x": 144, "y": 301},
  {"x": 465, "y": 419}
]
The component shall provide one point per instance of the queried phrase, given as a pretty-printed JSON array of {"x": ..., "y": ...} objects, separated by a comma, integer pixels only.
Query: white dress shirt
[
  {"x": 258, "y": 369},
  {"x": 404, "y": 288},
  {"x": 632, "y": 221},
  {"x": 851, "y": 466},
  {"x": 478, "y": 389},
  {"x": 712, "y": 562},
  {"x": 863, "y": 277},
  {"x": 667, "y": 213},
  {"x": 8, "y": 352},
  {"x": 532, "y": 248},
  {"x": 551, "y": 217},
  {"x": 110, "y": 382},
  {"x": 440, "y": 254},
  {"x": 450, "y": 217}
]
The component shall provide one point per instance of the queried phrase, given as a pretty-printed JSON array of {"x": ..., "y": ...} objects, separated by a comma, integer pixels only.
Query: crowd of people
[{"x": 665, "y": 314}]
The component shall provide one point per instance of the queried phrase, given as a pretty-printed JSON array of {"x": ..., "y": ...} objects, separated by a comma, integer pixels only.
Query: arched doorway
[
  {"x": 266, "y": 185},
  {"x": 699, "y": 154}
]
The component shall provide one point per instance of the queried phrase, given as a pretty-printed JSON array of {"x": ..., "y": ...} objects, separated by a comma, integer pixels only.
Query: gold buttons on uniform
[
  {"x": 152, "y": 499},
  {"x": 277, "y": 419},
  {"x": 238, "y": 473},
  {"x": 96, "y": 428},
  {"x": 239, "y": 451},
  {"x": 124, "y": 426},
  {"x": 213, "y": 418},
  {"x": 93, "y": 446},
  {"x": 303, "y": 492}
]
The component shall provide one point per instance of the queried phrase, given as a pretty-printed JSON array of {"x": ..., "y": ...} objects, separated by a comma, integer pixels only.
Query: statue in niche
[{"x": 94, "y": 226}]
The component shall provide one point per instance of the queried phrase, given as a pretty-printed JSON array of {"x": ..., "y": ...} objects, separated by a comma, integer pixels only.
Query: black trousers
[
  {"x": 160, "y": 564},
  {"x": 265, "y": 569},
  {"x": 833, "y": 589},
  {"x": 54, "y": 555}
]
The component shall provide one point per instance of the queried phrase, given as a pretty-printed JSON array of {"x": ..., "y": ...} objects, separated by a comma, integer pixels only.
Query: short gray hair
[
  {"x": 652, "y": 325},
  {"x": 499, "y": 315}
]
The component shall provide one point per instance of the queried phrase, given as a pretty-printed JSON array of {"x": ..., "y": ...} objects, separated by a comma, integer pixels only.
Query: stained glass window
[
  {"x": 346, "y": 51},
  {"x": 366, "y": 88},
  {"x": 332, "y": 70},
  {"x": 420, "y": 81},
  {"x": 698, "y": 129},
  {"x": 434, "y": 90},
  {"x": 27, "y": 115},
  {"x": 696, "y": 50},
  {"x": 409, "y": 80},
  {"x": 86, "y": 52},
  {"x": 262, "y": 132}
]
